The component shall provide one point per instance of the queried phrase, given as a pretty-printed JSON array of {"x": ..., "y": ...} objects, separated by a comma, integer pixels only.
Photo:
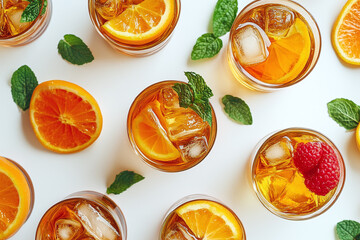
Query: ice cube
[
  {"x": 257, "y": 16},
  {"x": 194, "y": 148},
  {"x": 169, "y": 99},
  {"x": 13, "y": 16},
  {"x": 67, "y": 229},
  {"x": 251, "y": 44},
  {"x": 108, "y": 9},
  {"x": 179, "y": 232},
  {"x": 94, "y": 223},
  {"x": 278, "y": 153},
  {"x": 278, "y": 20}
]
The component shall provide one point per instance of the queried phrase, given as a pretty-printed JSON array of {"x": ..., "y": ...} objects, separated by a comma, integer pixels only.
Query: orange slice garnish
[
  {"x": 150, "y": 137},
  {"x": 64, "y": 116},
  {"x": 15, "y": 198},
  {"x": 346, "y": 33},
  {"x": 141, "y": 23}
]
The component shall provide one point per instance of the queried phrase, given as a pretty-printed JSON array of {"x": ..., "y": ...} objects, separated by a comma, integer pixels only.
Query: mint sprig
[
  {"x": 224, "y": 16},
  {"x": 237, "y": 109},
  {"x": 195, "y": 95},
  {"x": 209, "y": 44},
  {"x": 345, "y": 112},
  {"x": 123, "y": 181},
  {"x": 74, "y": 50},
  {"x": 32, "y": 10},
  {"x": 23, "y": 83},
  {"x": 348, "y": 230}
]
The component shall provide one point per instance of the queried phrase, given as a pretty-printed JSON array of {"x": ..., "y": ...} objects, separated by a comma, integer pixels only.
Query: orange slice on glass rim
[
  {"x": 141, "y": 23},
  {"x": 15, "y": 198},
  {"x": 346, "y": 33},
  {"x": 64, "y": 116}
]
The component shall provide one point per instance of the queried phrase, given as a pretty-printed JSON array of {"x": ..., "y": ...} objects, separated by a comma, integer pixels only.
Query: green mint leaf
[
  {"x": 348, "y": 230},
  {"x": 44, "y": 8},
  {"x": 74, "y": 50},
  {"x": 345, "y": 112},
  {"x": 23, "y": 83},
  {"x": 31, "y": 11},
  {"x": 123, "y": 181},
  {"x": 203, "y": 109},
  {"x": 198, "y": 85},
  {"x": 357, "y": 237},
  {"x": 206, "y": 46},
  {"x": 187, "y": 96},
  {"x": 237, "y": 109},
  {"x": 224, "y": 16}
]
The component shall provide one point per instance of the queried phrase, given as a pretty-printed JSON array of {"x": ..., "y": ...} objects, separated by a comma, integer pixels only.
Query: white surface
[{"x": 115, "y": 79}]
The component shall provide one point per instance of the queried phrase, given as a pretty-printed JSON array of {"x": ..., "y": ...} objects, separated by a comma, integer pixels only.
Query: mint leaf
[
  {"x": 195, "y": 95},
  {"x": 345, "y": 112},
  {"x": 74, "y": 50},
  {"x": 123, "y": 181},
  {"x": 31, "y": 11},
  {"x": 206, "y": 46},
  {"x": 224, "y": 16},
  {"x": 44, "y": 8},
  {"x": 237, "y": 109},
  {"x": 23, "y": 83},
  {"x": 348, "y": 230}
]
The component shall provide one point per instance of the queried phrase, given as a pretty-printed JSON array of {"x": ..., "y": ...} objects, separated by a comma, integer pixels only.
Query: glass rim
[
  {"x": 294, "y": 216},
  {"x": 212, "y": 138},
  {"x": 310, "y": 65}
]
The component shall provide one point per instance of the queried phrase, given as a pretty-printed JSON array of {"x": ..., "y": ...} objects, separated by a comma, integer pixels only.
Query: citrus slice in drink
[
  {"x": 64, "y": 116},
  {"x": 150, "y": 136},
  {"x": 287, "y": 56},
  {"x": 15, "y": 198},
  {"x": 346, "y": 33},
  {"x": 210, "y": 220},
  {"x": 141, "y": 23}
]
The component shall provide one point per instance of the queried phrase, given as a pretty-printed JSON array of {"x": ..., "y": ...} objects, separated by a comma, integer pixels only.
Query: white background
[{"x": 115, "y": 79}]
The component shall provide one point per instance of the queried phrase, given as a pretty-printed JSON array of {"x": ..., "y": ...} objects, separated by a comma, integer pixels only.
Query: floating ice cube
[
  {"x": 194, "y": 148},
  {"x": 13, "y": 16},
  {"x": 257, "y": 16},
  {"x": 169, "y": 99},
  {"x": 278, "y": 20},
  {"x": 278, "y": 153},
  {"x": 179, "y": 232},
  {"x": 67, "y": 229},
  {"x": 108, "y": 9},
  {"x": 94, "y": 223},
  {"x": 251, "y": 44}
]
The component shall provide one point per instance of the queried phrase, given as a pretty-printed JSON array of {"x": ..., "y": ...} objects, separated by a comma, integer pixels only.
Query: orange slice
[
  {"x": 210, "y": 220},
  {"x": 64, "y": 116},
  {"x": 150, "y": 137},
  {"x": 141, "y": 23},
  {"x": 15, "y": 198},
  {"x": 345, "y": 35},
  {"x": 287, "y": 56}
]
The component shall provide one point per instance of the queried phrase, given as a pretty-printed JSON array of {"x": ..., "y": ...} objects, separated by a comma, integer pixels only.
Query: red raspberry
[{"x": 307, "y": 156}]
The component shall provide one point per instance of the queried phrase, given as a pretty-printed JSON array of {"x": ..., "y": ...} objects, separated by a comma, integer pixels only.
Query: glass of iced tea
[
  {"x": 85, "y": 215},
  {"x": 273, "y": 44},
  {"x": 14, "y": 30},
  {"x": 201, "y": 217},
  {"x": 16, "y": 197},
  {"x": 297, "y": 173},
  {"x": 166, "y": 136},
  {"x": 135, "y": 27}
]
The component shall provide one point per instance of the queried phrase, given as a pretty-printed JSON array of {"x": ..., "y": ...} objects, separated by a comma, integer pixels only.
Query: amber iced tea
[
  {"x": 83, "y": 216},
  {"x": 273, "y": 44},
  {"x": 167, "y": 136},
  {"x": 279, "y": 183}
]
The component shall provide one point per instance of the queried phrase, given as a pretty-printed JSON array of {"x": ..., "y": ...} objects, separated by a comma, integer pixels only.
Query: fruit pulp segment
[
  {"x": 62, "y": 113},
  {"x": 9, "y": 202},
  {"x": 78, "y": 219},
  {"x": 281, "y": 43},
  {"x": 187, "y": 133},
  {"x": 280, "y": 182}
]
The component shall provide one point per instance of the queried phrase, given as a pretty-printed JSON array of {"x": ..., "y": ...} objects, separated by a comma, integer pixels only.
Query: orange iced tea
[
  {"x": 84, "y": 216},
  {"x": 273, "y": 44},
  {"x": 201, "y": 217},
  {"x": 168, "y": 137},
  {"x": 297, "y": 173},
  {"x": 135, "y": 27},
  {"x": 14, "y": 31},
  {"x": 16, "y": 197}
]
